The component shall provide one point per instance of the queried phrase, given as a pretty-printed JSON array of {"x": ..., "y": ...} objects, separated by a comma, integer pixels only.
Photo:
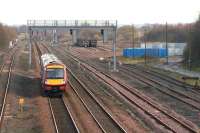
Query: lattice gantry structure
[{"x": 73, "y": 26}]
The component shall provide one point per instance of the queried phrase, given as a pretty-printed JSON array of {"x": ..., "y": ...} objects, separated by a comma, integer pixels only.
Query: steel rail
[
  {"x": 53, "y": 116},
  {"x": 6, "y": 91},
  {"x": 51, "y": 108},
  {"x": 128, "y": 89},
  {"x": 97, "y": 101}
]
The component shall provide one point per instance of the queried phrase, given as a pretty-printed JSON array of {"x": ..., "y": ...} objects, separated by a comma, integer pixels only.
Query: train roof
[{"x": 49, "y": 58}]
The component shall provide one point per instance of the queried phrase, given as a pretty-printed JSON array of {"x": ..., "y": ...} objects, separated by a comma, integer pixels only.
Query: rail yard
[
  {"x": 134, "y": 99},
  {"x": 85, "y": 86}
]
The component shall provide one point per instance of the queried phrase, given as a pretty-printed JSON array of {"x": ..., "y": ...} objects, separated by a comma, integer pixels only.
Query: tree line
[
  {"x": 192, "y": 51},
  {"x": 7, "y": 34},
  {"x": 157, "y": 32}
]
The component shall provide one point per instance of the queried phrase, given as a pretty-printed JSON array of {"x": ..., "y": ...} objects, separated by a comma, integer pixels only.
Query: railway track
[
  {"x": 157, "y": 83},
  {"x": 103, "y": 118},
  {"x": 146, "y": 104},
  {"x": 181, "y": 100},
  {"x": 165, "y": 77},
  {"x": 186, "y": 100},
  {"x": 2, "y": 66},
  {"x": 184, "y": 94},
  {"x": 62, "y": 118},
  {"x": 1, "y": 69},
  {"x": 100, "y": 114},
  {"x": 104, "y": 49},
  {"x": 4, "y": 97}
]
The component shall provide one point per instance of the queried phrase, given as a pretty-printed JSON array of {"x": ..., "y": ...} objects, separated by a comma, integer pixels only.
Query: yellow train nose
[{"x": 54, "y": 82}]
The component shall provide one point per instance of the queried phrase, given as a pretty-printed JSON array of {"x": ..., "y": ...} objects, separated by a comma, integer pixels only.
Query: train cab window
[{"x": 55, "y": 73}]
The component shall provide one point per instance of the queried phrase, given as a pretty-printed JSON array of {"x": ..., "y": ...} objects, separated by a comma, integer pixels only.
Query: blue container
[
  {"x": 162, "y": 53},
  {"x": 140, "y": 52},
  {"x": 125, "y": 52},
  {"x": 129, "y": 52}
]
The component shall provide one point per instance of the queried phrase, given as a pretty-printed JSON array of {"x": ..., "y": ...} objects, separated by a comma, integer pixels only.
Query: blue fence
[{"x": 140, "y": 52}]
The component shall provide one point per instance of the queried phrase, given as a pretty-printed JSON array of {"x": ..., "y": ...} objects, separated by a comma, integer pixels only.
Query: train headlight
[
  {"x": 63, "y": 82},
  {"x": 101, "y": 58}
]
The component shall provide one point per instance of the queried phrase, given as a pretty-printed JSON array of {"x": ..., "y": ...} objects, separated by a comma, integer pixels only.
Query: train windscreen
[{"x": 55, "y": 73}]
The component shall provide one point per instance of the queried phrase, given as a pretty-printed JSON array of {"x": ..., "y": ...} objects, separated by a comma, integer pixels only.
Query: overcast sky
[{"x": 125, "y": 11}]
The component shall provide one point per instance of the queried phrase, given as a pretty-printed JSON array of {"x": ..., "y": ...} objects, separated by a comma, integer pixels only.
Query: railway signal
[
  {"x": 102, "y": 32},
  {"x": 71, "y": 31}
]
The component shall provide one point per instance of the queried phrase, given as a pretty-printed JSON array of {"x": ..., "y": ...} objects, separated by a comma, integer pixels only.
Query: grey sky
[{"x": 125, "y": 11}]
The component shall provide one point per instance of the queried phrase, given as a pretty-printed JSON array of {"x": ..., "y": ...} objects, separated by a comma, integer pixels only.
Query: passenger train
[{"x": 53, "y": 75}]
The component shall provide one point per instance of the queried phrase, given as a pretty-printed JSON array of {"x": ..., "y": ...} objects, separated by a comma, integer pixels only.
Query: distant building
[
  {"x": 173, "y": 48},
  {"x": 10, "y": 44}
]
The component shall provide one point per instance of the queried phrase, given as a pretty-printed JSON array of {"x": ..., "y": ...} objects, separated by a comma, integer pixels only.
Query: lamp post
[
  {"x": 132, "y": 37},
  {"x": 145, "y": 44},
  {"x": 166, "y": 37}
]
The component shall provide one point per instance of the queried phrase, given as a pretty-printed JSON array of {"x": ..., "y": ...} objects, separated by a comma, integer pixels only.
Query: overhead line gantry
[{"x": 74, "y": 26}]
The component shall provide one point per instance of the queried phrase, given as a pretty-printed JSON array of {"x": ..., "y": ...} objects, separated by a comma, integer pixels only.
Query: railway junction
[{"x": 101, "y": 95}]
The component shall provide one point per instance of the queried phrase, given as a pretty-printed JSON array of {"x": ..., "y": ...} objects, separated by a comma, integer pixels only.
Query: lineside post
[
  {"x": 166, "y": 37},
  {"x": 114, "y": 48},
  {"x": 30, "y": 47}
]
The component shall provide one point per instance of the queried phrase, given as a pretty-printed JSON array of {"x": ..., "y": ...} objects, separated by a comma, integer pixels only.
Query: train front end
[{"x": 54, "y": 77}]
